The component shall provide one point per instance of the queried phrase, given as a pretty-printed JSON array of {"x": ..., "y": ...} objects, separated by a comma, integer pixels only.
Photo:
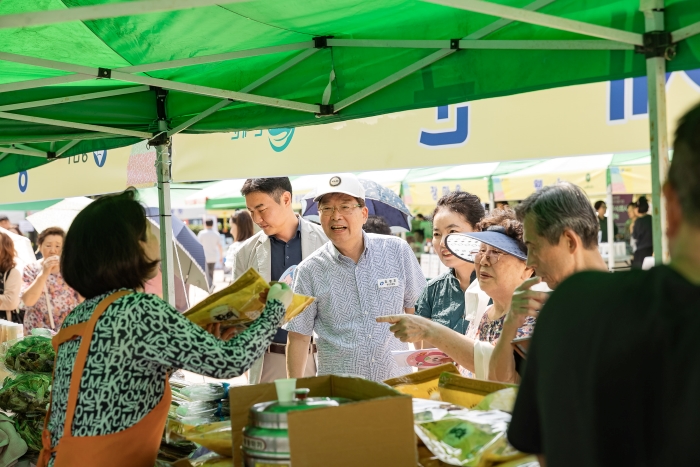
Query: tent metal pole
[
  {"x": 541, "y": 19},
  {"x": 65, "y": 148},
  {"x": 4, "y": 155},
  {"x": 76, "y": 98},
  {"x": 201, "y": 116},
  {"x": 111, "y": 10},
  {"x": 214, "y": 92},
  {"x": 686, "y": 32},
  {"x": 81, "y": 126},
  {"x": 583, "y": 44},
  {"x": 658, "y": 131},
  {"x": 492, "y": 195},
  {"x": 216, "y": 58},
  {"x": 24, "y": 152},
  {"x": 609, "y": 202},
  {"x": 40, "y": 83},
  {"x": 430, "y": 59},
  {"x": 165, "y": 222}
]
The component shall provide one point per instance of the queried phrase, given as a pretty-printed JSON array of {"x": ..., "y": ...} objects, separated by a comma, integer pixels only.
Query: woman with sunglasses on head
[{"x": 500, "y": 268}]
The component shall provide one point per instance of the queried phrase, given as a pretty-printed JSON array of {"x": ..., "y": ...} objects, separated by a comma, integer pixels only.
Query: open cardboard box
[{"x": 377, "y": 429}]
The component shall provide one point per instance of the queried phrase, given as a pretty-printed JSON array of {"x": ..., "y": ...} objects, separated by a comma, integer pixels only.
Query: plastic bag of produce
[
  {"x": 422, "y": 384},
  {"x": 240, "y": 303},
  {"x": 32, "y": 354},
  {"x": 464, "y": 437},
  {"x": 213, "y": 436},
  {"x": 29, "y": 428},
  {"x": 26, "y": 393}
]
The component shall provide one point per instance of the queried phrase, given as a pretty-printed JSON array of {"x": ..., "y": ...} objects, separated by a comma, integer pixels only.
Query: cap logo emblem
[{"x": 335, "y": 181}]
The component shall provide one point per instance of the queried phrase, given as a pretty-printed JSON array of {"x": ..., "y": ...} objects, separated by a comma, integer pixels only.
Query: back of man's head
[
  {"x": 684, "y": 174},
  {"x": 273, "y": 186},
  {"x": 598, "y": 204},
  {"x": 559, "y": 207},
  {"x": 209, "y": 223}
]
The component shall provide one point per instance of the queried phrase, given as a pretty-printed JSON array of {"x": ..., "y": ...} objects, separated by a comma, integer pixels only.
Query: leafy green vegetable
[
  {"x": 29, "y": 428},
  {"x": 26, "y": 393},
  {"x": 31, "y": 354}
]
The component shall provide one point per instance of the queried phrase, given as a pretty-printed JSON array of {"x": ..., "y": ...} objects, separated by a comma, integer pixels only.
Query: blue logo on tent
[
  {"x": 280, "y": 138},
  {"x": 100, "y": 158},
  {"x": 23, "y": 181},
  {"x": 456, "y": 137},
  {"x": 629, "y": 97}
]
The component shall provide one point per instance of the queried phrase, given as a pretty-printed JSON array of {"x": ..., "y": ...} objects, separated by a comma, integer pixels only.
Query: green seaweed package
[
  {"x": 29, "y": 428},
  {"x": 33, "y": 354}
]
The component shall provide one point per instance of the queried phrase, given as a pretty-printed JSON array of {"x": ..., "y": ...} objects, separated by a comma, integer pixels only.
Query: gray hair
[
  {"x": 559, "y": 207},
  {"x": 684, "y": 174}
]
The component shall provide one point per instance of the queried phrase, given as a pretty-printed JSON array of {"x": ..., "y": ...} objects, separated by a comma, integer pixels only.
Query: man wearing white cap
[{"x": 355, "y": 278}]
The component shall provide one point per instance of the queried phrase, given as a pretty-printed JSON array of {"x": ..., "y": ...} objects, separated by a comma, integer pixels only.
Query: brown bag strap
[{"x": 79, "y": 365}]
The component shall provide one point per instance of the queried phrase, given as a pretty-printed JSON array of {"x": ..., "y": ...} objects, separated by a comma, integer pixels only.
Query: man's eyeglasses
[
  {"x": 343, "y": 209},
  {"x": 492, "y": 256}
]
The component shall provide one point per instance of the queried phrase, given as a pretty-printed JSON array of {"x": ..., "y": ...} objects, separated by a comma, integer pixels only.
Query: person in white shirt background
[{"x": 211, "y": 241}]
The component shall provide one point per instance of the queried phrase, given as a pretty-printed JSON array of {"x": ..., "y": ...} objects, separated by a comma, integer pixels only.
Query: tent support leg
[
  {"x": 658, "y": 131},
  {"x": 492, "y": 196},
  {"x": 165, "y": 221},
  {"x": 611, "y": 223}
]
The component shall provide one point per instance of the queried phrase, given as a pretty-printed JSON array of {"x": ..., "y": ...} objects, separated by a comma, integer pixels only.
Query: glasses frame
[
  {"x": 476, "y": 254},
  {"x": 322, "y": 213}
]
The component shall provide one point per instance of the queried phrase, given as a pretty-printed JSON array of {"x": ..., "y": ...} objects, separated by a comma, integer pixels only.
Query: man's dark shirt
[
  {"x": 613, "y": 373},
  {"x": 283, "y": 255},
  {"x": 604, "y": 229}
]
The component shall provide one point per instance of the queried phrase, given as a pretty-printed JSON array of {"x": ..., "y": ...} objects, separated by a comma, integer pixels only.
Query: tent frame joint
[
  {"x": 51, "y": 155},
  {"x": 325, "y": 110},
  {"x": 454, "y": 44},
  {"x": 104, "y": 73},
  {"x": 159, "y": 139},
  {"x": 657, "y": 44},
  {"x": 321, "y": 42}
]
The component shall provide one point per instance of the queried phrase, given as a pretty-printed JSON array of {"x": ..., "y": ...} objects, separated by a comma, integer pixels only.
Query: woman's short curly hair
[{"x": 506, "y": 219}]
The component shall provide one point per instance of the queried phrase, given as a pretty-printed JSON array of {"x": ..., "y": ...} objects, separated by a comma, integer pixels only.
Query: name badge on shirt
[{"x": 383, "y": 283}]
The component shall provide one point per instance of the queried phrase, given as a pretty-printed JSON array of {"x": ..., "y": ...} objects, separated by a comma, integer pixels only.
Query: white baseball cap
[{"x": 345, "y": 183}]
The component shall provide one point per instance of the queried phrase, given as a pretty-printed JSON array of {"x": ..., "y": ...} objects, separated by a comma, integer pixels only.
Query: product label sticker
[{"x": 393, "y": 282}]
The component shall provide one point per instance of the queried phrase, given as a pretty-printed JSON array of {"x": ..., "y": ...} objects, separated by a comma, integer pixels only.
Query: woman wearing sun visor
[{"x": 499, "y": 262}]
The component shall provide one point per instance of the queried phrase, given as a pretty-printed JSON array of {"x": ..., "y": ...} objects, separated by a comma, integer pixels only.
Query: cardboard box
[
  {"x": 466, "y": 392},
  {"x": 377, "y": 429},
  {"x": 422, "y": 384}
]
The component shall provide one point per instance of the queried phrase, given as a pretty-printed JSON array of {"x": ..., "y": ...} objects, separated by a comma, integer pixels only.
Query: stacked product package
[{"x": 194, "y": 407}]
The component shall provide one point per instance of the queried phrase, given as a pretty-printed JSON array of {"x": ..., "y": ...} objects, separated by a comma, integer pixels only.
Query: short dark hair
[
  {"x": 598, "y": 204},
  {"x": 4, "y": 218},
  {"x": 465, "y": 204},
  {"x": 273, "y": 186},
  {"x": 558, "y": 207},
  {"x": 420, "y": 216},
  {"x": 244, "y": 225},
  {"x": 50, "y": 231},
  {"x": 209, "y": 223},
  {"x": 642, "y": 204},
  {"x": 633, "y": 204},
  {"x": 378, "y": 225},
  {"x": 507, "y": 219},
  {"x": 684, "y": 173},
  {"x": 94, "y": 263}
]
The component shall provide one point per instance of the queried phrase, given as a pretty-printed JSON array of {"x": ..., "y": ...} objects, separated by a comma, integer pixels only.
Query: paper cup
[{"x": 285, "y": 389}]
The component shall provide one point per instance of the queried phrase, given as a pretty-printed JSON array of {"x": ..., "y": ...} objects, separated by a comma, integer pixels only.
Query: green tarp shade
[
  {"x": 29, "y": 206},
  {"x": 137, "y": 40},
  {"x": 216, "y": 204}
]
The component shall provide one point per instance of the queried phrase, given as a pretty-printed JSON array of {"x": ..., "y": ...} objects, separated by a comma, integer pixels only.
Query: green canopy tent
[{"x": 89, "y": 75}]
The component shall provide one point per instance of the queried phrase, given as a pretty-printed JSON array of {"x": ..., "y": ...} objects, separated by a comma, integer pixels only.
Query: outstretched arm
[
  {"x": 411, "y": 328},
  {"x": 175, "y": 341}
]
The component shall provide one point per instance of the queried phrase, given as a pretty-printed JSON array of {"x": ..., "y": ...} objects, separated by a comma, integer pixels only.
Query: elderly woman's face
[
  {"x": 51, "y": 246},
  {"x": 499, "y": 272},
  {"x": 151, "y": 247}
]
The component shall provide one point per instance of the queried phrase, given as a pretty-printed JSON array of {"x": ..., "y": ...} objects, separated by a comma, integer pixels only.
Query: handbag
[{"x": 16, "y": 316}]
